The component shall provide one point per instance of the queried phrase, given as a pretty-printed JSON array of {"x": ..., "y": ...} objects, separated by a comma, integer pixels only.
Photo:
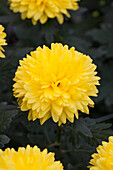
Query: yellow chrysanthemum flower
[
  {"x": 43, "y": 9},
  {"x": 103, "y": 160},
  {"x": 28, "y": 159},
  {"x": 2, "y": 41},
  {"x": 55, "y": 83}
]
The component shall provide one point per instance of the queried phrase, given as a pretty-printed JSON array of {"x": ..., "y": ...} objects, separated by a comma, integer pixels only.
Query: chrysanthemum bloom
[
  {"x": 103, "y": 160},
  {"x": 2, "y": 41},
  {"x": 43, "y": 9},
  {"x": 28, "y": 159},
  {"x": 55, "y": 83}
]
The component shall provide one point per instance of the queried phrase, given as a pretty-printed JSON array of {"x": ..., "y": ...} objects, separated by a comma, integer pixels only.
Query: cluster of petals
[
  {"x": 29, "y": 158},
  {"x": 103, "y": 159},
  {"x": 55, "y": 83},
  {"x": 2, "y": 41},
  {"x": 43, "y": 9}
]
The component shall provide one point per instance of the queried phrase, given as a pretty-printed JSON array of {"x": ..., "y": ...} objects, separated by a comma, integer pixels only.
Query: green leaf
[
  {"x": 104, "y": 37},
  {"x": 4, "y": 107},
  {"x": 3, "y": 140},
  {"x": 81, "y": 127},
  {"x": 4, "y": 7},
  {"x": 106, "y": 89},
  {"x": 6, "y": 119}
]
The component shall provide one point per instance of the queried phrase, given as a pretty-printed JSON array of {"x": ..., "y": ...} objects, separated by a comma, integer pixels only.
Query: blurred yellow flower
[
  {"x": 2, "y": 41},
  {"x": 43, "y": 9},
  {"x": 103, "y": 159},
  {"x": 28, "y": 159},
  {"x": 55, "y": 83}
]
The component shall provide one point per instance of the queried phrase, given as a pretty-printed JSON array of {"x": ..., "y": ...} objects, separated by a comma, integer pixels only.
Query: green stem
[
  {"x": 77, "y": 150},
  {"x": 59, "y": 133},
  {"x": 53, "y": 144},
  {"x": 104, "y": 118}
]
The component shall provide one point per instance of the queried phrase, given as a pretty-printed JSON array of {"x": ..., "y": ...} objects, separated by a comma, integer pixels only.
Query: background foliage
[{"x": 90, "y": 30}]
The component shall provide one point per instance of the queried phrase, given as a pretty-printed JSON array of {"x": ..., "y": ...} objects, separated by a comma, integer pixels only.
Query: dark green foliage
[
  {"x": 72, "y": 143},
  {"x": 90, "y": 30},
  {"x": 5, "y": 120}
]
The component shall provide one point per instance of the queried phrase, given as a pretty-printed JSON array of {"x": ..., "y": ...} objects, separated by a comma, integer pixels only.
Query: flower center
[{"x": 58, "y": 84}]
